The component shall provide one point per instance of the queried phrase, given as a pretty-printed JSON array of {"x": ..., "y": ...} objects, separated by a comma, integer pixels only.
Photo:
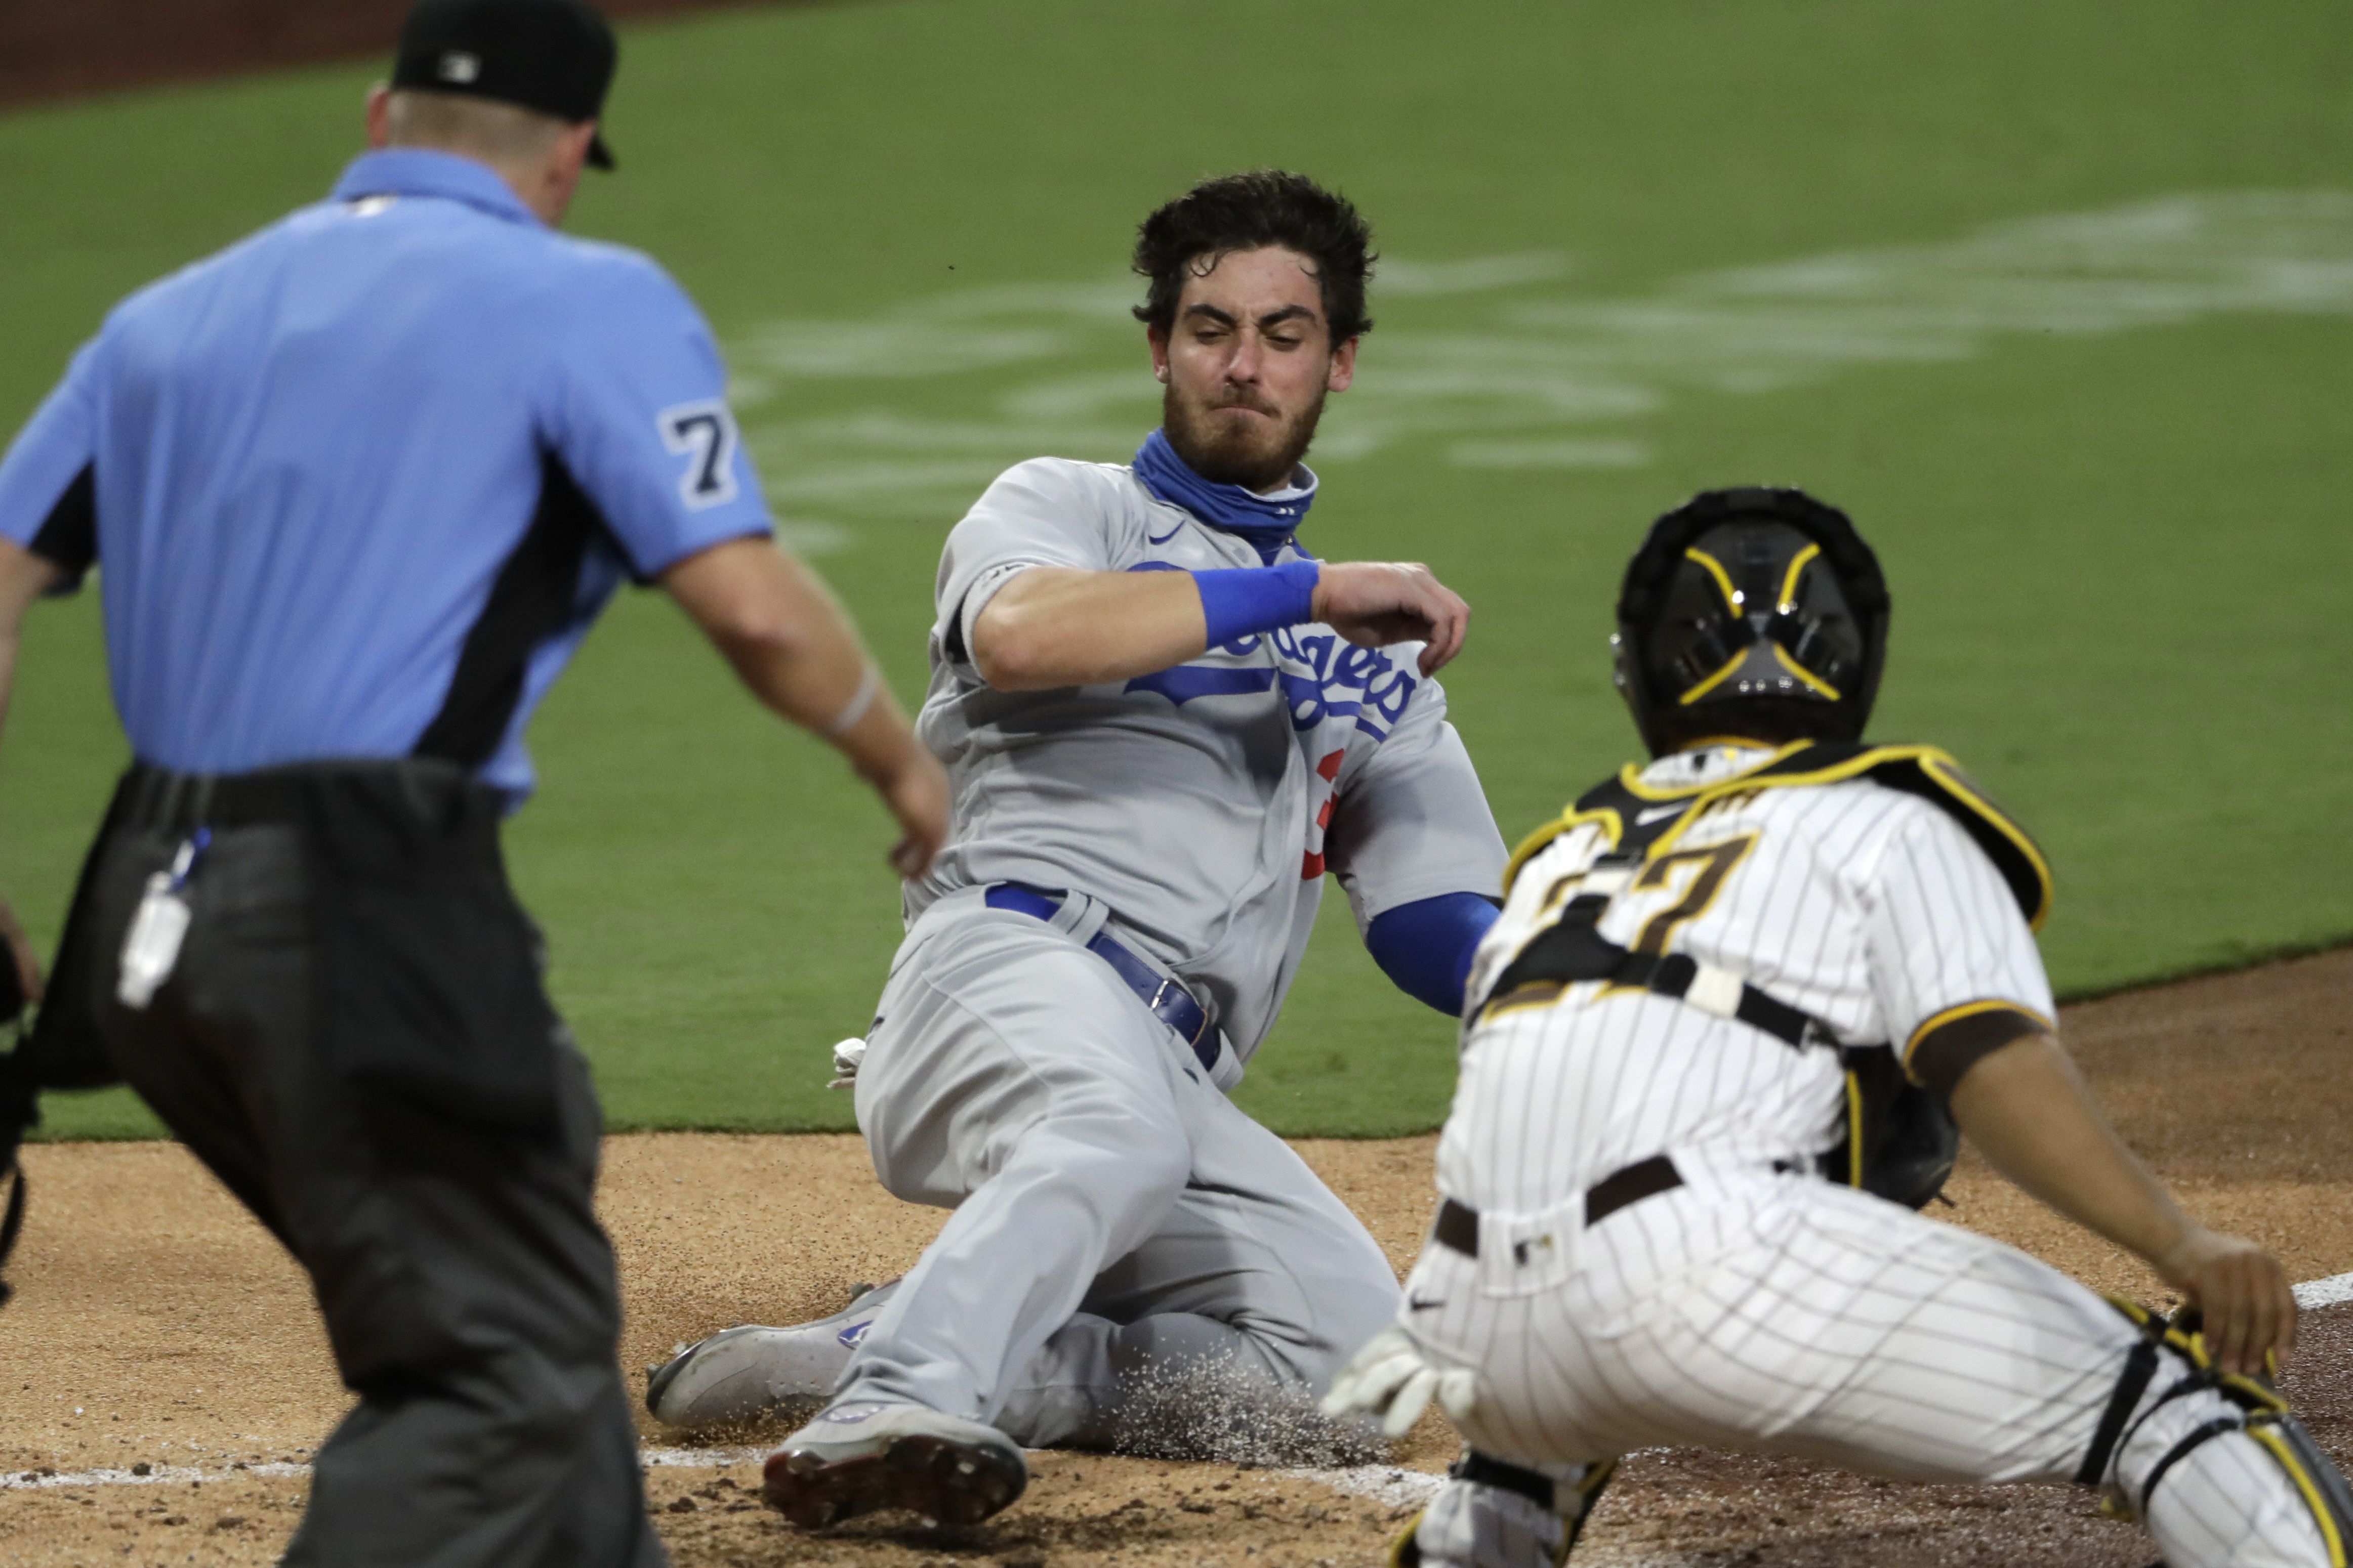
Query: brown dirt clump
[{"x": 158, "y": 1325}]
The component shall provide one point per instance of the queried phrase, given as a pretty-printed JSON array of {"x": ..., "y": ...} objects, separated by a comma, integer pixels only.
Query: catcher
[{"x": 1774, "y": 954}]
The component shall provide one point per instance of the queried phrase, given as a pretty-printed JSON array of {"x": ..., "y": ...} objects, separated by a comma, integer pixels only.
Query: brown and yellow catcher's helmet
[{"x": 1752, "y": 612}]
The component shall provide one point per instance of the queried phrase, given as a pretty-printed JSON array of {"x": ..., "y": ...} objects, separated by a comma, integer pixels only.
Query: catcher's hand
[
  {"x": 2243, "y": 1295},
  {"x": 1390, "y": 1379}
]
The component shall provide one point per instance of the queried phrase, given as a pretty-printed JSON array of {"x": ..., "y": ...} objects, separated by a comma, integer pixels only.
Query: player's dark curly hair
[{"x": 1244, "y": 211}]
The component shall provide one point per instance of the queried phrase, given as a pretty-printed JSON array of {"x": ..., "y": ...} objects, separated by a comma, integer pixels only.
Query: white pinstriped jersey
[
  {"x": 1741, "y": 1305},
  {"x": 1867, "y": 907}
]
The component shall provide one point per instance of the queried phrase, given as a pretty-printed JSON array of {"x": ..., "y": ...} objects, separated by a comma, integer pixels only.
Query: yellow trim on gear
[
  {"x": 1534, "y": 843},
  {"x": 1954, "y": 1015},
  {"x": 2263, "y": 1394},
  {"x": 2140, "y": 1314},
  {"x": 1814, "y": 683},
  {"x": 1947, "y": 772},
  {"x": 1713, "y": 681},
  {"x": 1732, "y": 599},
  {"x": 1789, "y": 600},
  {"x": 1533, "y": 993},
  {"x": 1404, "y": 1552},
  {"x": 1933, "y": 760},
  {"x": 1854, "y": 1130},
  {"x": 2329, "y": 1534}
]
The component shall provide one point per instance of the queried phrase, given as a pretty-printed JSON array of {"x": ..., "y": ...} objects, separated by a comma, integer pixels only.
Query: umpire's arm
[
  {"x": 793, "y": 646},
  {"x": 24, "y": 577}
]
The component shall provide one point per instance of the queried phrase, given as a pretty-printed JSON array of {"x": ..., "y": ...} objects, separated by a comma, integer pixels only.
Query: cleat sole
[{"x": 945, "y": 1482}]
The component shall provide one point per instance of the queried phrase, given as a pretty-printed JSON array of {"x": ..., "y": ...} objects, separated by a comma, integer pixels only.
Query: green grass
[{"x": 2118, "y": 554}]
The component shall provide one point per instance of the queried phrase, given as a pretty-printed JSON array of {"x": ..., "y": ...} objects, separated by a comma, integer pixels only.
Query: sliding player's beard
[{"x": 1231, "y": 448}]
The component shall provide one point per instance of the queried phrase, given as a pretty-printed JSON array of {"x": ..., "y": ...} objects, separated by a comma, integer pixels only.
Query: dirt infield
[{"x": 158, "y": 1326}]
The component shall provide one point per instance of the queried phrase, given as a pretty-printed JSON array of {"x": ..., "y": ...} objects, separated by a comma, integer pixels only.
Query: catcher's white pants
[
  {"x": 1133, "y": 1261},
  {"x": 1779, "y": 1313}
]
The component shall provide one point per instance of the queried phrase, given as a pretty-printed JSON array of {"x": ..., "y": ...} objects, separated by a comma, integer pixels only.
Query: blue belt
[{"x": 1169, "y": 1002}]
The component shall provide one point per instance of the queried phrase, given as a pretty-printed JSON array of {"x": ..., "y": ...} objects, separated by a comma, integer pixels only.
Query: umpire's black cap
[{"x": 554, "y": 55}]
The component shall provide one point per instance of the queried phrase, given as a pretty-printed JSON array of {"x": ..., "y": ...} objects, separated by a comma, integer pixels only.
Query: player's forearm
[
  {"x": 1056, "y": 626},
  {"x": 2027, "y": 1110}
]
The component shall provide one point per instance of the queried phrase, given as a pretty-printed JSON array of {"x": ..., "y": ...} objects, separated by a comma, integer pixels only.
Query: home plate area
[{"x": 164, "y": 1379}]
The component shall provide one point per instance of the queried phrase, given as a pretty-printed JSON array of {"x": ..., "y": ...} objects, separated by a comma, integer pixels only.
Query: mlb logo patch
[
  {"x": 855, "y": 1332},
  {"x": 458, "y": 65}
]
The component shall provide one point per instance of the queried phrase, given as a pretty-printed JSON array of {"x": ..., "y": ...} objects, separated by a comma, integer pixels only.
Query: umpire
[{"x": 358, "y": 485}]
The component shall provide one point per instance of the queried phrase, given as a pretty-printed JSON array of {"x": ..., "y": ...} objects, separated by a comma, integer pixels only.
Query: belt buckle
[{"x": 1161, "y": 994}]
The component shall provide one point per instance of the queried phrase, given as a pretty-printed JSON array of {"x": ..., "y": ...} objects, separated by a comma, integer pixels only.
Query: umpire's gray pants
[
  {"x": 1130, "y": 1253},
  {"x": 467, "y": 1289}
]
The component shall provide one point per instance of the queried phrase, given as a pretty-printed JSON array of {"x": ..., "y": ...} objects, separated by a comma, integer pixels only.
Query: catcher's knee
[{"x": 2171, "y": 1402}]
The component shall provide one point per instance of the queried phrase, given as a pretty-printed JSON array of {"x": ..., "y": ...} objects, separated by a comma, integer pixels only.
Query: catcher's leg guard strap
[
  {"x": 2181, "y": 1450},
  {"x": 2217, "y": 1467},
  {"x": 2139, "y": 1367},
  {"x": 1533, "y": 1485}
]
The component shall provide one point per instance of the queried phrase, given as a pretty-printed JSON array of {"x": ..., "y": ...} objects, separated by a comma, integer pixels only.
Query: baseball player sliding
[
  {"x": 1163, "y": 722},
  {"x": 1705, "y": 976}
]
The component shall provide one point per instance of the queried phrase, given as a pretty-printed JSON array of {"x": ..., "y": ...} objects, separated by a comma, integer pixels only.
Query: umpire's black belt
[
  {"x": 1458, "y": 1224},
  {"x": 1169, "y": 1002},
  {"x": 166, "y": 801}
]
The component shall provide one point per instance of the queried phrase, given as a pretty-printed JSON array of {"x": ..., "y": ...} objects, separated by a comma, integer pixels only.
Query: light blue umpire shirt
[{"x": 358, "y": 485}]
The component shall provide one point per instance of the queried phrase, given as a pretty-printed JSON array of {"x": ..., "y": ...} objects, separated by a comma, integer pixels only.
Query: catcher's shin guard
[
  {"x": 1491, "y": 1514},
  {"x": 2237, "y": 1467}
]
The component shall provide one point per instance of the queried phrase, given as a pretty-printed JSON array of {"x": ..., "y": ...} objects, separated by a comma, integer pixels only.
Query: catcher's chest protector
[{"x": 1900, "y": 1140}]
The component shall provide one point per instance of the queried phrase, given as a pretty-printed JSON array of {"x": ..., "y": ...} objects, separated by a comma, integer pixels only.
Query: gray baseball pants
[{"x": 1132, "y": 1259}]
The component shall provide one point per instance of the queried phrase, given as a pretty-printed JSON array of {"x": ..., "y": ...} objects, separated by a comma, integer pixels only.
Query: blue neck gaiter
[{"x": 1267, "y": 524}]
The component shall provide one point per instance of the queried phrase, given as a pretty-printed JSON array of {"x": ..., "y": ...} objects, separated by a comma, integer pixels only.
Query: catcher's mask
[{"x": 1751, "y": 611}]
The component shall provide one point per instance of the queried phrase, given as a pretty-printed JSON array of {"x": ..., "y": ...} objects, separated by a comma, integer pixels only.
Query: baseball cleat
[
  {"x": 753, "y": 1370},
  {"x": 868, "y": 1454}
]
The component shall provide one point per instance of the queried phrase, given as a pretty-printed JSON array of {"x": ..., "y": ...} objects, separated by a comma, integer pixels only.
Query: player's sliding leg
[
  {"x": 1255, "y": 1283},
  {"x": 1012, "y": 1078},
  {"x": 752, "y": 1371},
  {"x": 1219, "y": 1332}
]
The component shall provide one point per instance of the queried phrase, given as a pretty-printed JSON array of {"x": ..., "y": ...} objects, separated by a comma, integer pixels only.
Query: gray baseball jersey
[{"x": 1202, "y": 803}]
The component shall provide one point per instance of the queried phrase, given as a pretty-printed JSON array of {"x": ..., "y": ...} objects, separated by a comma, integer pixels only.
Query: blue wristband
[{"x": 1236, "y": 601}]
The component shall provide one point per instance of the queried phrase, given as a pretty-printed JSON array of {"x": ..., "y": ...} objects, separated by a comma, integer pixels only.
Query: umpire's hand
[
  {"x": 917, "y": 791},
  {"x": 1376, "y": 603}
]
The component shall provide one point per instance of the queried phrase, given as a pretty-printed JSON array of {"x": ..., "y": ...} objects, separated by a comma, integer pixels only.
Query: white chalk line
[
  {"x": 2324, "y": 1292},
  {"x": 1376, "y": 1483},
  {"x": 156, "y": 1475}
]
